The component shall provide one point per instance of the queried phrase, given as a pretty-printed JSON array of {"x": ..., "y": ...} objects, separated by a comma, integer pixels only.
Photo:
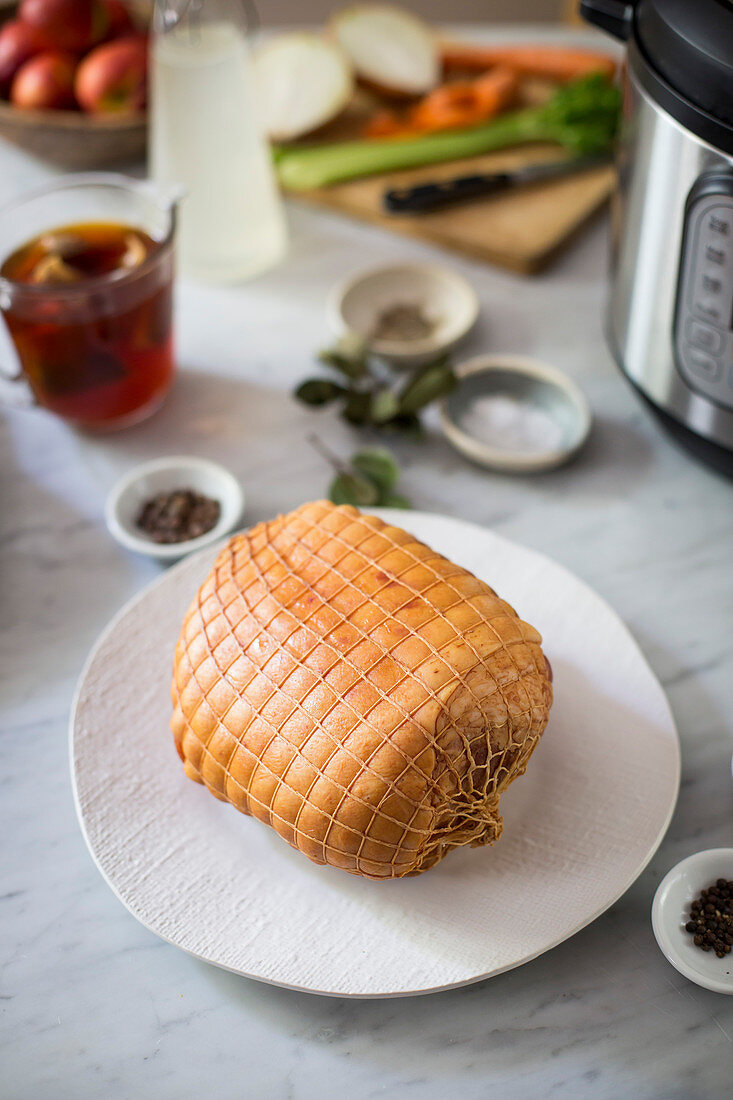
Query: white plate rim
[{"x": 394, "y": 516}]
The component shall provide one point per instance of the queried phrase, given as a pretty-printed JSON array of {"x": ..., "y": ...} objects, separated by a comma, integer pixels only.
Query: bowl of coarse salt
[{"x": 515, "y": 414}]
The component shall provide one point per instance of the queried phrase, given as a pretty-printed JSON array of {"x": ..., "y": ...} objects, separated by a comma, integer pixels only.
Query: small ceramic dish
[
  {"x": 443, "y": 297},
  {"x": 670, "y": 912},
  {"x": 514, "y": 414},
  {"x": 162, "y": 475}
]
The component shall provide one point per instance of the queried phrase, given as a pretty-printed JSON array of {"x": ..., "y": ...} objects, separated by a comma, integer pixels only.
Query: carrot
[
  {"x": 451, "y": 106},
  {"x": 550, "y": 62},
  {"x": 486, "y": 96},
  {"x": 384, "y": 124},
  {"x": 466, "y": 104}
]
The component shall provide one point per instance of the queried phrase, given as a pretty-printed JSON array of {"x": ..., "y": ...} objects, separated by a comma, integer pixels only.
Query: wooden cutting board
[{"x": 522, "y": 229}]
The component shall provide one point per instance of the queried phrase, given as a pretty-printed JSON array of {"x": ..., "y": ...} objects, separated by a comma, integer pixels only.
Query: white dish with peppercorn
[
  {"x": 172, "y": 506},
  {"x": 671, "y": 915}
]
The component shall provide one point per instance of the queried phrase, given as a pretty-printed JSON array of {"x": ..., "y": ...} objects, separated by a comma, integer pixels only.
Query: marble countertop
[{"x": 92, "y": 1003}]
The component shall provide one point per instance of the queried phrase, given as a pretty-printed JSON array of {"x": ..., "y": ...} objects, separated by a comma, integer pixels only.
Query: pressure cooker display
[{"x": 704, "y": 321}]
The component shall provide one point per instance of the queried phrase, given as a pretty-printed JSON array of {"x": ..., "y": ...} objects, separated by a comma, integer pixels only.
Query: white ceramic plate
[{"x": 579, "y": 826}]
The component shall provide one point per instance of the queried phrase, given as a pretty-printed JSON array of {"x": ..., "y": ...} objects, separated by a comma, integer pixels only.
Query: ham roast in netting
[{"x": 357, "y": 691}]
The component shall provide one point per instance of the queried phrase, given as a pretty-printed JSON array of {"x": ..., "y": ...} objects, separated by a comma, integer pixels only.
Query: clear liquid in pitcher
[{"x": 205, "y": 136}]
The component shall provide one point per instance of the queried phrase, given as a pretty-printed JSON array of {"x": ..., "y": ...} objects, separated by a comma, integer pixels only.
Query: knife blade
[{"x": 437, "y": 194}]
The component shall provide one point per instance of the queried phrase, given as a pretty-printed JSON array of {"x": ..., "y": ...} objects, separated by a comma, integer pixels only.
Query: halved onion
[
  {"x": 389, "y": 48},
  {"x": 303, "y": 81}
]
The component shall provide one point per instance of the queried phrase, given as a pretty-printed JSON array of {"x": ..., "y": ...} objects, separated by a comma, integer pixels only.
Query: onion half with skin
[
  {"x": 303, "y": 81},
  {"x": 390, "y": 48}
]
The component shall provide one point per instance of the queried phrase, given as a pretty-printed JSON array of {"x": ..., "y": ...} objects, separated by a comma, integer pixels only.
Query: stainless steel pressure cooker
[{"x": 670, "y": 317}]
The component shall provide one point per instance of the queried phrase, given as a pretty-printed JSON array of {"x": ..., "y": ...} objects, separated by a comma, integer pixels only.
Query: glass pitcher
[
  {"x": 97, "y": 351},
  {"x": 205, "y": 135}
]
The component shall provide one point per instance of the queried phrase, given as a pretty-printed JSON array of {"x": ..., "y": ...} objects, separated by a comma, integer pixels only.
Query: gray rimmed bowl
[{"x": 536, "y": 386}]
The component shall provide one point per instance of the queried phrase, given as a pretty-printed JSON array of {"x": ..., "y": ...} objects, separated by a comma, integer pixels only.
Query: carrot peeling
[{"x": 451, "y": 106}]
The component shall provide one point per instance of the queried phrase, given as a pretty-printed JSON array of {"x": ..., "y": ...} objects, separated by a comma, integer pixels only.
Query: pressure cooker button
[
  {"x": 711, "y": 284},
  {"x": 716, "y": 224},
  {"x": 710, "y": 310},
  {"x": 702, "y": 365},
  {"x": 715, "y": 255},
  {"x": 704, "y": 337}
]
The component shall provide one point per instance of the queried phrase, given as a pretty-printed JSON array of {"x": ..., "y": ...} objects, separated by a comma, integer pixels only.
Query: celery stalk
[{"x": 582, "y": 116}]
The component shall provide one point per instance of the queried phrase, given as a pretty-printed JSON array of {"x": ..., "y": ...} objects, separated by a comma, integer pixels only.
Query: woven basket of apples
[{"x": 73, "y": 80}]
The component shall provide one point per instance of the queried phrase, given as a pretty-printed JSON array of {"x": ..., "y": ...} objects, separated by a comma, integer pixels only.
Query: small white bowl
[
  {"x": 670, "y": 913},
  {"x": 165, "y": 474},
  {"x": 543, "y": 389},
  {"x": 443, "y": 296}
]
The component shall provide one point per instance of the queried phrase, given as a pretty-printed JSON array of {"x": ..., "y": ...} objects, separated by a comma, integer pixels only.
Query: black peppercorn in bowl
[
  {"x": 691, "y": 918},
  {"x": 172, "y": 506}
]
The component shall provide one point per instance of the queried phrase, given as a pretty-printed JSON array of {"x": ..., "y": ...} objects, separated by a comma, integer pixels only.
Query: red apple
[
  {"x": 18, "y": 42},
  {"x": 120, "y": 20},
  {"x": 112, "y": 79},
  {"x": 47, "y": 80},
  {"x": 73, "y": 25}
]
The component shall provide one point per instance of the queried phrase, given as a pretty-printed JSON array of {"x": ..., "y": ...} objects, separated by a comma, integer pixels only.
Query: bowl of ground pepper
[
  {"x": 172, "y": 506},
  {"x": 692, "y": 918},
  {"x": 407, "y": 313}
]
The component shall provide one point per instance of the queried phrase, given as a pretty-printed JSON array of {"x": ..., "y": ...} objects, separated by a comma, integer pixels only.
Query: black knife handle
[{"x": 433, "y": 196}]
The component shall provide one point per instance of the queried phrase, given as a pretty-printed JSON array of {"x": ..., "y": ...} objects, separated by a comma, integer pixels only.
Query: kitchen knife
[{"x": 450, "y": 192}]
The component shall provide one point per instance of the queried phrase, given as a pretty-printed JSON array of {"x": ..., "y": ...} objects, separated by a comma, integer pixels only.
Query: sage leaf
[
  {"x": 432, "y": 381},
  {"x": 318, "y": 391},
  {"x": 348, "y": 356},
  {"x": 356, "y": 409},
  {"x": 408, "y": 426},
  {"x": 384, "y": 405},
  {"x": 353, "y": 489},
  {"x": 394, "y": 500},
  {"x": 378, "y": 465}
]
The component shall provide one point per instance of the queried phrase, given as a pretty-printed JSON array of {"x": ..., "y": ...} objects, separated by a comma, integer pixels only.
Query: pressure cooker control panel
[{"x": 704, "y": 319}]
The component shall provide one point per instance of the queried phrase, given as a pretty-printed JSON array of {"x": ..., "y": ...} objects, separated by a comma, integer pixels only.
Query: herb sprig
[
  {"x": 368, "y": 391},
  {"x": 367, "y": 480}
]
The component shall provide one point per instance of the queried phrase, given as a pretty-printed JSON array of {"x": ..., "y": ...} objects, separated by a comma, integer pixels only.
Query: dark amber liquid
[{"x": 94, "y": 341}]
